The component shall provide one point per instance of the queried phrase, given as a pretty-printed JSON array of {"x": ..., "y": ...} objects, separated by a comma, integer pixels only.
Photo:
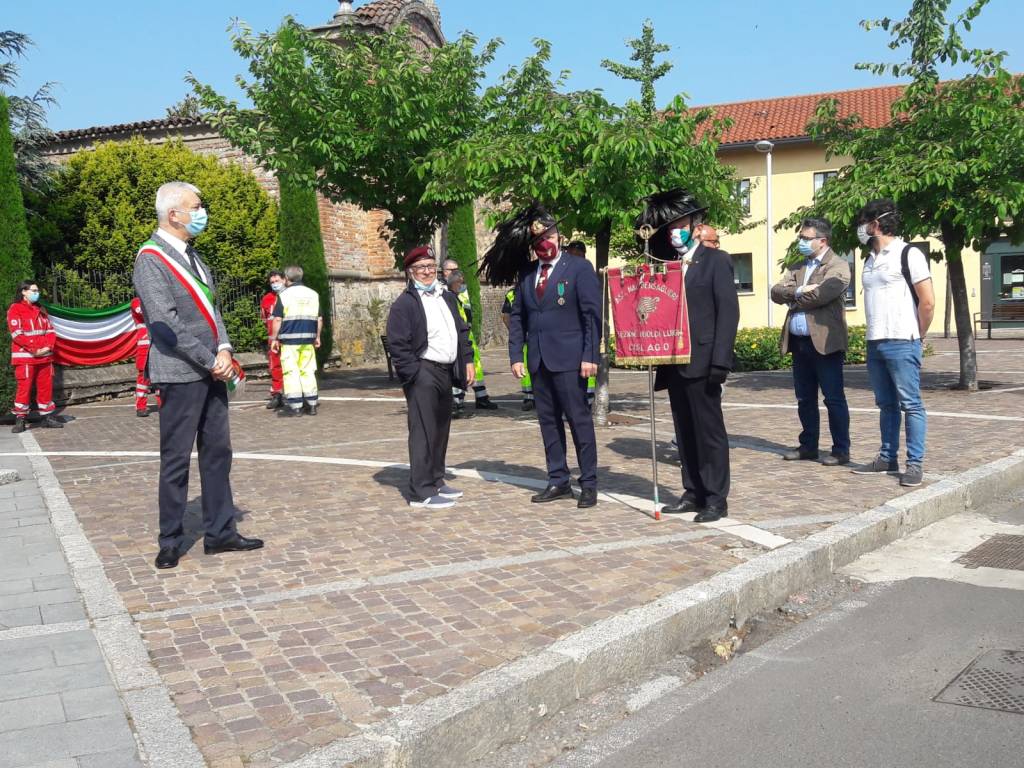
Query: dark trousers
[
  {"x": 703, "y": 441},
  {"x": 429, "y": 398},
  {"x": 195, "y": 413},
  {"x": 558, "y": 393},
  {"x": 811, "y": 371}
]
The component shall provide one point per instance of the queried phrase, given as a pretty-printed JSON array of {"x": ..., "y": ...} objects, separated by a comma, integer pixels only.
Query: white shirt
[
  {"x": 442, "y": 338},
  {"x": 540, "y": 266},
  {"x": 888, "y": 303},
  {"x": 181, "y": 246}
]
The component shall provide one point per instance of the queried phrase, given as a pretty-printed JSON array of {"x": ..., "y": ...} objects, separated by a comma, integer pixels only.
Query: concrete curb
[{"x": 502, "y": 705}]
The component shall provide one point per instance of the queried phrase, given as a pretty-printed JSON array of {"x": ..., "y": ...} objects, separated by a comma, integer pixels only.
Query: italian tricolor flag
[{"x": 92, "y": 336}]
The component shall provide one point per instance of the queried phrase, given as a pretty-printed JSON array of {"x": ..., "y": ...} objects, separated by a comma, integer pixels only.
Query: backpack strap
[{"x": 905, "y": 268}]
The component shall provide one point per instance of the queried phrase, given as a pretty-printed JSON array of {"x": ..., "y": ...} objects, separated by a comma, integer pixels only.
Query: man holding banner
[
  {"x": 695, "y": 389},
  {"x": 190, "y": 360},
  {"x": 556, "y": 315}
]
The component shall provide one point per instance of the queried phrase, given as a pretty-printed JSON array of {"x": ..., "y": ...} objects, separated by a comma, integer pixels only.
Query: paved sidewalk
[
  {"x": 361, "y": 612},
  {"x": 58, "y": 704}
]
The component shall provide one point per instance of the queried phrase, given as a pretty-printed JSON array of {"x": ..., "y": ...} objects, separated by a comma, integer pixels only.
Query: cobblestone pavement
[{"x": 359, "y": 606}]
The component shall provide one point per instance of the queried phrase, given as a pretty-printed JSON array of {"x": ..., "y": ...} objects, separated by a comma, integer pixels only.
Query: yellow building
[{"x": 799, "y": 168}]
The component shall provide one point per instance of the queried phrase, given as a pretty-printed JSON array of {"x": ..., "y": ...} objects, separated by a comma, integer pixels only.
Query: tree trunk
[
  {"x": 953, "y": 241},
  {"x": 949, "y": 305},
  {"x": 602, "y": 400}
]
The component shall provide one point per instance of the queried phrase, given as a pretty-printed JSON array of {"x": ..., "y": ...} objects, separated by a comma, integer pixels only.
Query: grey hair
[
  {"x": 821, "y": 227},
  {"x": 293, "y": 273},
  {"x": 169, "y": 196},
  {"x": 456, "y": 277},
  {"x": 446, "y": 262}
]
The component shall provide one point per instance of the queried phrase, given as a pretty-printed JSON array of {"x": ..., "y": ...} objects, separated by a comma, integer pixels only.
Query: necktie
[
  {"x": 543, "y": 282},
  {"x": 192, "y": 253}
]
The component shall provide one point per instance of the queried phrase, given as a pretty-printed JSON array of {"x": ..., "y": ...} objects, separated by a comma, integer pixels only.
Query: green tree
[
  {"x": 302, "y": 244},
  {"x": 462, "y": 248},
  {"x": 15, "y": 259},
  {"x": 645, "y": 50},
  {"x": 100, "y": 210},
  {"x": 353, "y": 118},
  {"x": 588, "y": 160},
  {"x": 27, "y": 115},
  {"x": 950, "y": 157},
  {"x": 188, "y": 108}
]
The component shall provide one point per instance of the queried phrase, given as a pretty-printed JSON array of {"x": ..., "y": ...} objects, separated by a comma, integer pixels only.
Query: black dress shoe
[
  {"x": 312, "y": 409},
  {"x": 167, "y": 558},
  {"x": 711, "y": 514},
  {"x": 836, "y": 459},
  {"x": 528, "y": 405},
  {"x": 274, "y": 402},
  {"x": 237, "y": 543},
  {"x": 800, "y": 454},
  {"x": 486, "y": 404},
  {"x": 682, "y": 507},
  {"x": 552, "y": 493},
  {"x": 588, "y": 498}
]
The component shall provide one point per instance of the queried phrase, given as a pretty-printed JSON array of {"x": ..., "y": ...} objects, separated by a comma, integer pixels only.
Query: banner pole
[
  {"x": 654, "y": 442},
  {"x": 646, "y": 232}
]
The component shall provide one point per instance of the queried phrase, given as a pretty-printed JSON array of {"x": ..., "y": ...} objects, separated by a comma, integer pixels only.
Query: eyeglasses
[{"x": 426, "y": 269}]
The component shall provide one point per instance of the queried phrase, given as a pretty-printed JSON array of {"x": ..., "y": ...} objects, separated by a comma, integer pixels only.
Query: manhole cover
[
  {"x": 994, "y": 680},
  {"x": 1001, "y": 551}
]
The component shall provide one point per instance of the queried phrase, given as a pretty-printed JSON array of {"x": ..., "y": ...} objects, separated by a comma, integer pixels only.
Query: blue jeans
[
  {"x": 894, "y": 369},
  {"x": 813, "y": 371}
]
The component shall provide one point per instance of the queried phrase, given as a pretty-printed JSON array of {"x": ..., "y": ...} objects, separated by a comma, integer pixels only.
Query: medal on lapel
[{"x": 561, "y": 293}]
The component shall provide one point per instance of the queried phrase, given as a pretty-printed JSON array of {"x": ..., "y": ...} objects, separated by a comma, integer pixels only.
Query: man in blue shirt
[{"x": 815, "y": 333}]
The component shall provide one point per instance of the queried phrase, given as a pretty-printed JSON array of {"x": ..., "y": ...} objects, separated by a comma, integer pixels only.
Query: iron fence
[{"x": 238, "y": 301}]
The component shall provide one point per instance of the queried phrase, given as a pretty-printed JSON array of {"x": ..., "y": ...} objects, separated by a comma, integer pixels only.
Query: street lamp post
[{"x": 765, "y": 147}]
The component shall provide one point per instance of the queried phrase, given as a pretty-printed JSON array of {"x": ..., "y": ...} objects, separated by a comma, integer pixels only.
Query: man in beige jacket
[{"x": 815, "y": 333}]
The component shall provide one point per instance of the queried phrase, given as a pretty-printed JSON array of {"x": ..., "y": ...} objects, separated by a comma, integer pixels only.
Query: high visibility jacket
[
  {"x": 30, "y": 330},
  {"x": 141, "y": 331},
  {"x": 299, "y": 310}
]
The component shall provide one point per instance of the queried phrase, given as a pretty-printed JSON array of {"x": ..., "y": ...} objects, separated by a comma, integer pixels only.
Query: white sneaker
[
  {"x": 434, "y": 502},
  {"x": 447, "y": 492}
]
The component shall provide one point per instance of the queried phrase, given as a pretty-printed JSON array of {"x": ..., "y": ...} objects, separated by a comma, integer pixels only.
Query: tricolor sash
[{"x": 196, "y": 288}]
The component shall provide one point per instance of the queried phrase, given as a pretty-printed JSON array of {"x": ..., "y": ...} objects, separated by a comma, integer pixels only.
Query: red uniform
[
  {"x": 31, "y": 331},
  {"x": 142, "y": 383},
  {"x": 273, "y": 358}
]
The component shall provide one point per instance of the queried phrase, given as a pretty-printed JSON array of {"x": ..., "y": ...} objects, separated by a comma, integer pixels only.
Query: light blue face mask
[
  {"x": 277, "y": 287},
  {"x": 681, "y": 238},
  {"x": 804, "y": 247},
  {"x": 197, "y": 223},
  {"x": 33, "y": 296},
  {"x": 428, "y": 287}
]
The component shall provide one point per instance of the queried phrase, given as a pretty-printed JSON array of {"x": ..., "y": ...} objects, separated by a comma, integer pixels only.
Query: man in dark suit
[
  {"x": 190, "y": 361},
  {"x": 430, "y": 348},
  {"x": 556, "y": 315},
  {"x": 695, "y": 389}
]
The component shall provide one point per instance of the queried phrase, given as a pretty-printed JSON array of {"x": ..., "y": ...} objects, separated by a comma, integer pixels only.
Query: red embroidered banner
[{"x": 649, "y": 312}]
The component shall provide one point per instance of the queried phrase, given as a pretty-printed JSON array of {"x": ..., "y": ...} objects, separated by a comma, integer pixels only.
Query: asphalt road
[{"x": 855, "y": 686}]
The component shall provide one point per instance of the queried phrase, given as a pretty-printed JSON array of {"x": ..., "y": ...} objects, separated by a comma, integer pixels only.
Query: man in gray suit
[
  {"x": 815, "y": 332},
  {"x": 190, "y": 362}
]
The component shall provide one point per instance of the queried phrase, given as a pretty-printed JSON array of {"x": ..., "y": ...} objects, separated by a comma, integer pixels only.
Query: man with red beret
[{"x": 431, "y": 351}]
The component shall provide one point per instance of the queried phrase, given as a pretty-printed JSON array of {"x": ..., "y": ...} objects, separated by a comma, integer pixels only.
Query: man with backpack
[{"x": 899, "y": 303}]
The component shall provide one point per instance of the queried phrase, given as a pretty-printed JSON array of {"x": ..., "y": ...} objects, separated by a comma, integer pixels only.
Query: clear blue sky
[{"x": 123, "y": 60}]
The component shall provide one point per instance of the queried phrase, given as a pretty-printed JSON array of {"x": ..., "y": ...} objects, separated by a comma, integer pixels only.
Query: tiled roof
[
  {"x": 384, "y": 14},
  {"x": 787, "y": 117},
  {"x": 142, "y": 126}
]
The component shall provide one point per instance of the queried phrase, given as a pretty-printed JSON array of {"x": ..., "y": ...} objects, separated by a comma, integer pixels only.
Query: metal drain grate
[
  {"x": 1001, "y": 551},
  {"x": 994, "y": 680}
]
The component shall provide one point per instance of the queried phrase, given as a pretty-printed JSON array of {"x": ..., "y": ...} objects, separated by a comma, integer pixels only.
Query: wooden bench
[
  {"x": 1002, "y": 314},
  {"x": 387, "y": 356}
]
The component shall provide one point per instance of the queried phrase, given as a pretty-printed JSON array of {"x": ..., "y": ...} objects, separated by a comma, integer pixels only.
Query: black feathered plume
[
  {"x": 509, "y": 257},
  {"x": 663, "y": 208}
]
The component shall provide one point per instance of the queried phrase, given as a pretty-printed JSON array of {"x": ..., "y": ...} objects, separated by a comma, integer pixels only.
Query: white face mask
[{"x": 862, "y": 234}]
